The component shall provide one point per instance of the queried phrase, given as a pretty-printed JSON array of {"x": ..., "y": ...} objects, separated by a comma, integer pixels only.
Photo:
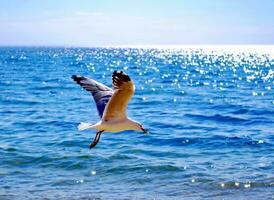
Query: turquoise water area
[{"x": 210, "y": 116}]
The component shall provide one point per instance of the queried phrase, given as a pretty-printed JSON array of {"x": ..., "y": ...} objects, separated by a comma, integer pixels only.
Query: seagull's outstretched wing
[
  {"x": 123, "y": 91},
  {"x": 99, "y": 91}
]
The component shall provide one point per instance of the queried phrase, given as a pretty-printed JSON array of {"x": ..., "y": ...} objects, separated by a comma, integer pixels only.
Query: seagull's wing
[
  {"x": 123, "y": 91},
  {"x": 99, "y": 91}
]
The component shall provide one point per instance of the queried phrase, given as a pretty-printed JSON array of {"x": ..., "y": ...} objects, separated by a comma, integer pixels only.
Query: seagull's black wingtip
[
  {"x": 120, "y": 75},
  {"x": 77, "y": 79},
  {"x": 74, "y": 77}
]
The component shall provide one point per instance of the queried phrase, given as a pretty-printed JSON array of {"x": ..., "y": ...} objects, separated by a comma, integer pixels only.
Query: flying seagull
[{"x": 111, "y": 104}]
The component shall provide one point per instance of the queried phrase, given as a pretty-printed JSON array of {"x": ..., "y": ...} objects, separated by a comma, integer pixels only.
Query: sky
[{"x": 135, "y": 22}]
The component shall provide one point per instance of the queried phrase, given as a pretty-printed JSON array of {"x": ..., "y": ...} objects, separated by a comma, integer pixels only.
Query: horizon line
[
  {"x": 250, "y": 47},
  {"x": 138, "y": 45}
]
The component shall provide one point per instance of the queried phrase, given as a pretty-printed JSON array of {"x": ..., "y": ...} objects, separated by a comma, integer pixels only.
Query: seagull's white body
[
  {"x": 111, "y": 104},
  {"x": 111, "y": 125}
]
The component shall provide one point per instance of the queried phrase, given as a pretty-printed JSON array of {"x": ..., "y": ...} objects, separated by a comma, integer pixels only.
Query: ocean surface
[{"x": 210, "y": 114}]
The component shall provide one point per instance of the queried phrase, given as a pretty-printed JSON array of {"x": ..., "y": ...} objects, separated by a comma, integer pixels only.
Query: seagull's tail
[{"x": 83, "y": 126}]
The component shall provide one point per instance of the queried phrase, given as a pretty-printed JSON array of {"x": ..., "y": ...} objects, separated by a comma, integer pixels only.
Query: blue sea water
[{"x": 210, "y": 116}]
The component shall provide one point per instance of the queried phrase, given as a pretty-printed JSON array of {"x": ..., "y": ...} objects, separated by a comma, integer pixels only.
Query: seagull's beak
[{"x": 144, "y": 130}]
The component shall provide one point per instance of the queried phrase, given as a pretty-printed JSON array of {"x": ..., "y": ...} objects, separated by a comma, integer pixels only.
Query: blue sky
[{"x": 142, "y": 22}]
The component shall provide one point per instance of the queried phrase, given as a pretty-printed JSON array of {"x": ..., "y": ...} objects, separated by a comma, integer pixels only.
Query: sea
[{"x": 209, "y": 112}]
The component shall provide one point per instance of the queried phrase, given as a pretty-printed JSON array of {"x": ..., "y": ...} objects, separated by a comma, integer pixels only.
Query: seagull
[{"x": 111, "y": 104}]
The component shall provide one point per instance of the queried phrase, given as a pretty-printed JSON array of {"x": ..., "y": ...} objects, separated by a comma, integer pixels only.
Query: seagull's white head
[{"x": 136, "y": 126}]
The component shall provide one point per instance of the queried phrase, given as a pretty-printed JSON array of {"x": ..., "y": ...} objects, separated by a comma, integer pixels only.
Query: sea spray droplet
[
  {"x": 80, "y": 181},
  {"x": 185, "y": 141},
  {"x": 260, "y": 142},
  {"x": 93, "y": 172}
]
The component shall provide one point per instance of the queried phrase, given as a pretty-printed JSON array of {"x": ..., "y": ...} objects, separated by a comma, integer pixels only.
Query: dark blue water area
[{"x": 210, "y": 115}]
